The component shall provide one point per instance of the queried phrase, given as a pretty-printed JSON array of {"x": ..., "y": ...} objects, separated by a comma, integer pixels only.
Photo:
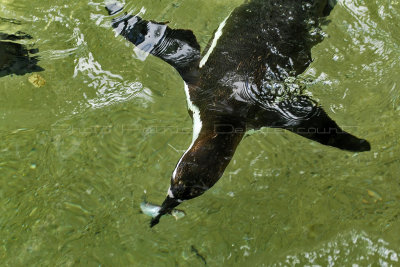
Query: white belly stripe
[
  {"x": 217, "y": 35},
  {"x": 197, "y": 124}
]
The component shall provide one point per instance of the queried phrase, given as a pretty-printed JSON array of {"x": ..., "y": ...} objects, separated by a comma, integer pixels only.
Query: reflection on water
[
  {"x": 110, "y": 88},
  {"x": 347, "y": 249},
  {"x": 77, "y": 154}
]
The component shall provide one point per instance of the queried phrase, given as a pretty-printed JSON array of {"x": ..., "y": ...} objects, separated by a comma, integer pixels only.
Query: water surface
[{"x": 77, "y": 154}]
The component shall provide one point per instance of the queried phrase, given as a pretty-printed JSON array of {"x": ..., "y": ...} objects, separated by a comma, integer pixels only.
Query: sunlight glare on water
[{"x": 77, "y": 154}]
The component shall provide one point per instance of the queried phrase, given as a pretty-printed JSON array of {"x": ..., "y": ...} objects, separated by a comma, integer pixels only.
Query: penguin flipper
[
  {"x": 321, "y": 128},
  {"x": 177, "y": 47},
  {"x": 304, "y": 117}
]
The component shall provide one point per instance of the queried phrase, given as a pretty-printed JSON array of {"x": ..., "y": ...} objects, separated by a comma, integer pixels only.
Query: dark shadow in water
[{"x": 16, "y": 58}]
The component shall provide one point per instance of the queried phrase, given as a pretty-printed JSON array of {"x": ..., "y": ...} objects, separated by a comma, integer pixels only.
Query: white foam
[{"x": 217, "y": 35}]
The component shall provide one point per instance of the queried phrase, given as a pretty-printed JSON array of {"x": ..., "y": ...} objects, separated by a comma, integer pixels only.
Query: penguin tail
[{"x": 166, "y": 207}]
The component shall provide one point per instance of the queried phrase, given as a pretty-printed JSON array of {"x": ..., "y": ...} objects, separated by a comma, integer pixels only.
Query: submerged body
[{"x": 246, "y": 80}]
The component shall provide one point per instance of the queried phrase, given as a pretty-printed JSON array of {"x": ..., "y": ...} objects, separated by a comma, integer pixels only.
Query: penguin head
[
  {"x": 187, "y": 182},
  {"x": 184, "y": 185},
  {"x": 166, "y": 207},
  {"x": 200, "y": 167}
]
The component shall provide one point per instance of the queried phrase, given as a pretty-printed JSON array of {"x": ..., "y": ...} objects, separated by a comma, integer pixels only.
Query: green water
[{"x": 77, "y": 155}]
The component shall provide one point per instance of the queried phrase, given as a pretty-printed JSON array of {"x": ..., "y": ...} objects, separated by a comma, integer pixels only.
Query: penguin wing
[
  {"x": 177, "y": 47},
  {"x": 305, "y": 117}
]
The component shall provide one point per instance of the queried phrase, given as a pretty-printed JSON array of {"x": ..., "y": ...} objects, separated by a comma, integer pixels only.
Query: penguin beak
[{"x": 166, "y": 207}]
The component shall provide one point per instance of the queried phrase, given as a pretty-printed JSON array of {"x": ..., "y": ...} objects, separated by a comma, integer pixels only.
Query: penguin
[
  {"x": 245, "y": 80},
  {"x": 16, "y": 58}
]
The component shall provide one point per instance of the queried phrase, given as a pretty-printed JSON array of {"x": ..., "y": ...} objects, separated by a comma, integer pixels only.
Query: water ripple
[{"x": 363, "y": 249}]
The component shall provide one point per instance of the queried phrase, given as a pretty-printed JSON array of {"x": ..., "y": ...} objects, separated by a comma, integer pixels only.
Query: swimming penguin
[
  {"x": 15, "y": 58},
  {"x": 246, "y": 80}
]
